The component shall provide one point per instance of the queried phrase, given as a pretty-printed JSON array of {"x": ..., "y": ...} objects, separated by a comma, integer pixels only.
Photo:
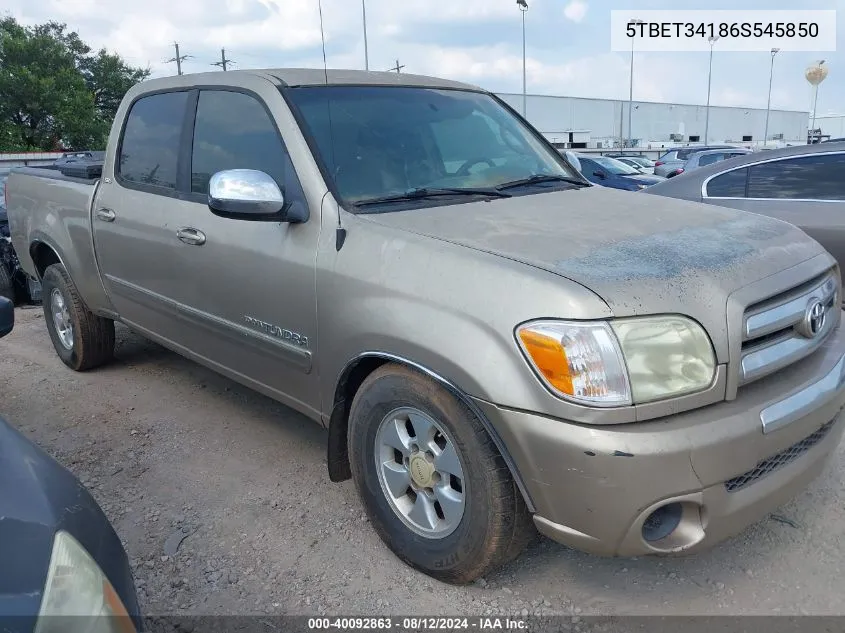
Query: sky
[{"x": 479, "y": 41}]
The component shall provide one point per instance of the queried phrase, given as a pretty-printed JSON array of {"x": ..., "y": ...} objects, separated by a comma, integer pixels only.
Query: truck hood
[{"x": 640, "y": 254}]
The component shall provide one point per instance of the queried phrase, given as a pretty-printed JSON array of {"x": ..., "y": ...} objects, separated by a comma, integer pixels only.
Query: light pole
[
  {"x": 523, "y": 6},
  {"x": 775, "y": 51},
  {"x": 631, "y": 87},
  {"x": 712, "y": 39},
  {"x": 366, "y": 52}
]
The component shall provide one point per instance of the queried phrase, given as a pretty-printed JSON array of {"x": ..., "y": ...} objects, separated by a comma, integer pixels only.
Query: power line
[
  {"x": 223, "y": 61},
  {"x": 397, "y": 67},
  {"x": 178, "y": 59}
]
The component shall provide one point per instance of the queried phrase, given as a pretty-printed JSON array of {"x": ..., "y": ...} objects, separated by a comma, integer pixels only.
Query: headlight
[
  {"x": 623, "y": 362},
  {"x": 78, "y": 596},
  {"x": 580, "y": 361}
]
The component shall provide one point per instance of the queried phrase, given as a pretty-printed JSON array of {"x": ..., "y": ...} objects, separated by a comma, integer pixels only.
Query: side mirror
[
  {"x": 7, "y": 316},
  {"x": 249, "y": 194},
  {"x": 599, "y": 174}
]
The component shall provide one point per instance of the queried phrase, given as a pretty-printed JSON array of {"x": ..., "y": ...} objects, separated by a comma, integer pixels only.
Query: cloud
[
  {"x": 479, "y": 41},
  {"x": 575, "y": 10}
]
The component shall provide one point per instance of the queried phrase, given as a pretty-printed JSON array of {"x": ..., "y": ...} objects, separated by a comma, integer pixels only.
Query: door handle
[
  {"x": 106, "y": 215},
  {"x": 194, "y": 237}
]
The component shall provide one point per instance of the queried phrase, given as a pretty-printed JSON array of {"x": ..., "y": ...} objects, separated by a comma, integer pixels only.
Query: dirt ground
[{"x": 173, "y": 452}]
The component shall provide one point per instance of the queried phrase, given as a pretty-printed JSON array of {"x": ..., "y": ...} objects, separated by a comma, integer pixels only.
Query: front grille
[
  {"x": 774, "y": 462},
  {"x": 775, "y": 333}
]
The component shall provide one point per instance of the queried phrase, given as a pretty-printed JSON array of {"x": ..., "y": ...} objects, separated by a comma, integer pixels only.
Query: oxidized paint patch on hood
[{"x": 669, "y": 254}]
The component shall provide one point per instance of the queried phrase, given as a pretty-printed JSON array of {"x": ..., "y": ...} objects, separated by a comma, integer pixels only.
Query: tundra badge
[{"x": 274, "y": 330}]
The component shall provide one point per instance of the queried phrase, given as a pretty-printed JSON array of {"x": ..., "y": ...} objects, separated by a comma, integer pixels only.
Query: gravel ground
[{"x": 222, "y": 500}]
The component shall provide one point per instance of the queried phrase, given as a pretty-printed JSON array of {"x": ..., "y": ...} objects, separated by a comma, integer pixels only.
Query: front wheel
[
  {"x": 433, "y": 483},
  {"x": 82, "y": 339}
]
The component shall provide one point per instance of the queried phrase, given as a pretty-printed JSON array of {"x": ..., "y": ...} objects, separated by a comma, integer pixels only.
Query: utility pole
[
  {"x": 178, "y": 59},
  {"x": 523, "y": 7},
  {"x": 631, "y": 86},
  {"x": 712, "y": 39},
  {"x": 397, "y": 67},
  {"x": 769, "y": 102},
  {"x": 366, "y": 50},
  {"x": 223, "y": 61}
]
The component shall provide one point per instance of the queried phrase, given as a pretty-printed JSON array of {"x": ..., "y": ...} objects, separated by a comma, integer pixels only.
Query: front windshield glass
[
  {"x": 380, "y": 141},
  {"x": 614, "y": 166}
]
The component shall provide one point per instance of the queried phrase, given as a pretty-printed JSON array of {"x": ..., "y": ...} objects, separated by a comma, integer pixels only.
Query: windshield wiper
[
  {"x": 432, "y": 192},
  {"x": 540, "y": 178}
]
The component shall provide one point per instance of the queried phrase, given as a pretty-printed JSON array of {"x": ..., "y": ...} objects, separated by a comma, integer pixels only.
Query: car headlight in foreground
[
  {"x": 620, "y": 362},
  {"x": 77, "y": 595}
]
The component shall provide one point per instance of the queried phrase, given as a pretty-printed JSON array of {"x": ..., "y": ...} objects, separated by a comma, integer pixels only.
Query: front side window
[
  {"x": 149, "y": 149},
  {"x": 234, "y": 131},
  {"x": 379, "y": 141},
  {"x": 810, "y": 177}
]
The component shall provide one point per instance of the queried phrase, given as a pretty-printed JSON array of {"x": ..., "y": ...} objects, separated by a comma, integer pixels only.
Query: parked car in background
[
  {"x": 62, "y": 566},
  {"x": 640, "y": 163},
  {"x": 609, "y": 172},
  {"x": 492, "y": 342},
  {"x": 707, "y": 157},
  {"x": 677, "y": 156},
  {"x": 804, "y": 185}
]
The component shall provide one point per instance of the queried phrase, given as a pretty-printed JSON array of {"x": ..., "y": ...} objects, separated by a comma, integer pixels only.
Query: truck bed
[{"x": 48, "y": 207}]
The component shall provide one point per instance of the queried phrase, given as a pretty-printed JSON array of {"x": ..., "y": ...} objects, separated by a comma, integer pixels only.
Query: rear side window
[
  {"x": 149, "y": 150},
  {"x": 234, "y": 131},
  {"x": 813, "y": 177},
  {"x": 728, "y": 185}
]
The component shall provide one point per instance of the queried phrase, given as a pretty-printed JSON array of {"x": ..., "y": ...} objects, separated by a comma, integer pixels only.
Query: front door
[{"x": 254, "y": 300}]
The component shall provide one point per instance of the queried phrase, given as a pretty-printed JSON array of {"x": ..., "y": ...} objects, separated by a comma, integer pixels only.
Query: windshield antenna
[{"x": 340, "y": 233}]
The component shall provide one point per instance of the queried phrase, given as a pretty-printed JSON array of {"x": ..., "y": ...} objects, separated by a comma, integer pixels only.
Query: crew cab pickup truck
[{"x": 493, "y": 343}]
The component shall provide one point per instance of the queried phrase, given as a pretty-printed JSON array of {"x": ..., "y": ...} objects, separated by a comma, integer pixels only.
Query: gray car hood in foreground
[{"x": 640, "y": 254}]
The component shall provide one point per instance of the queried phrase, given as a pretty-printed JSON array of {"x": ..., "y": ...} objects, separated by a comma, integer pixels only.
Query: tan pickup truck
[{"x": 492, "y": 343}]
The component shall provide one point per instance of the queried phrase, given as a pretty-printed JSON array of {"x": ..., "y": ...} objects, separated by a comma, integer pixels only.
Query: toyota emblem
[{"x": 814, "y": 319}]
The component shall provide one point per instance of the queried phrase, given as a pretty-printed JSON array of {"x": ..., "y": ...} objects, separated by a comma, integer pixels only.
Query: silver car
[
  {"x": 707, "y": 157},
  {"x": 640, "y": 163},
  {"x": 677, "y": 156}
]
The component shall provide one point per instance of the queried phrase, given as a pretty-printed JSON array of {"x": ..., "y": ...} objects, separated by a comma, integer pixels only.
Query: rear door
[
  {"x": 137, "y": 212},
  {"x": 805, "y": 190}
]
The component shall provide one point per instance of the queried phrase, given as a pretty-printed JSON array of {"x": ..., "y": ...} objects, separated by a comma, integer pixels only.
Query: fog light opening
[{"x": 662, "y": 522}]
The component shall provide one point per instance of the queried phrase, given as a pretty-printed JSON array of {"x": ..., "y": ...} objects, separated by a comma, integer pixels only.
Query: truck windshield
[{"x": 379, "y": 142}]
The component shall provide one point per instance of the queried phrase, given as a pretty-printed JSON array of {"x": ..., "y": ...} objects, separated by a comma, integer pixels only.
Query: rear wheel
[
  {"x": 433, "y": 483},
  {"x": 82, "y": 339}
]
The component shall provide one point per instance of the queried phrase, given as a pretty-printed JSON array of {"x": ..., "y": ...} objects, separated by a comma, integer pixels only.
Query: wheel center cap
[{"x": 421, "y": 471}]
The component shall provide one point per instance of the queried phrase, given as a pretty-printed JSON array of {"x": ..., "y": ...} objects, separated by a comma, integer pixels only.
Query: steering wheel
[{"x": 463, "y": 170}]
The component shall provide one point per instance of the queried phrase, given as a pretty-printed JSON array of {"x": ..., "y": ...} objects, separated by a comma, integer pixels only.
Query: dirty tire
[
  {"x": 495, "y": 525},
  {"x": 93, "y": 336},
  {"x": 6, "y": 288}
]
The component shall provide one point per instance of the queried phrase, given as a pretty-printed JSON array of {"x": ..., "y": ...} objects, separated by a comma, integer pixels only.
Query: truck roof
[{"x": 313, "y": 77}]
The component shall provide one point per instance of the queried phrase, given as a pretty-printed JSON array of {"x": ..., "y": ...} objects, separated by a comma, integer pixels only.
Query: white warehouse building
[
  {"x": 601, "y": 123},
  {"x": 831, "y": 124}
]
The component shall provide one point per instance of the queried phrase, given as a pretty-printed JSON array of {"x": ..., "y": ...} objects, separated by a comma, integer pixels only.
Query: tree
[{"x": 54, "y": 92}]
